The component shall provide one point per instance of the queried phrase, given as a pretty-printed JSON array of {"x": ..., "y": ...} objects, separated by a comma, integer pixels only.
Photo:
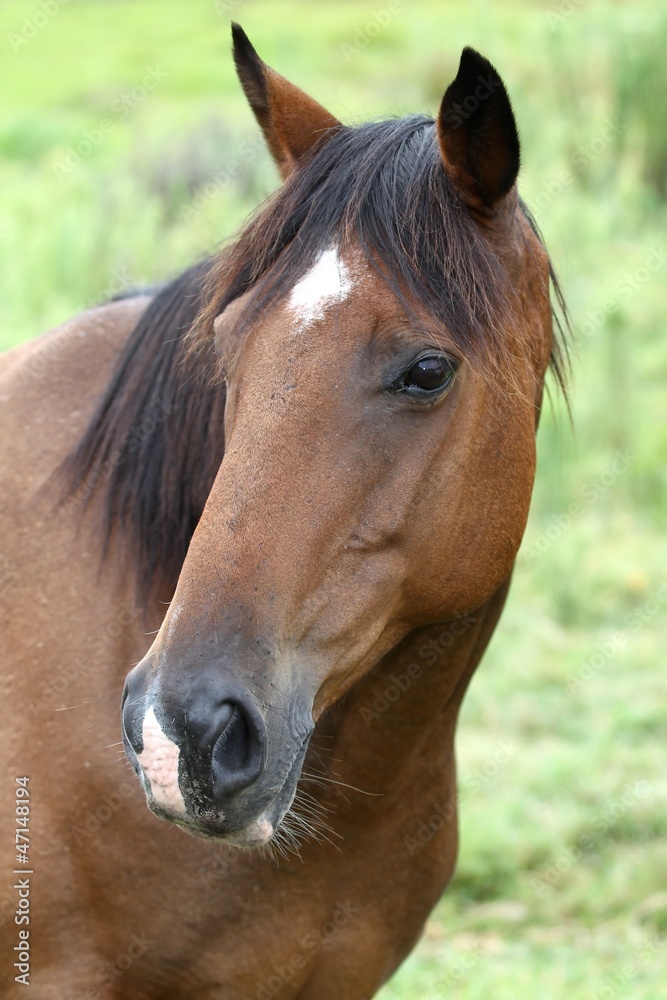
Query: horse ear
[
  {"x": 478, "y": 135},
  {"x": 291, "y": 121}
]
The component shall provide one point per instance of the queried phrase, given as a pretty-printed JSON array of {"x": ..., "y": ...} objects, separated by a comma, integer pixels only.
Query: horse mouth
[{"x": 257, "y": 832}]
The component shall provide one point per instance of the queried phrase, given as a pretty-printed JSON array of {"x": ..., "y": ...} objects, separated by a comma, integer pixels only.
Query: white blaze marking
[
  {"x": 159, "y": 760},
  {"x": 328, "y": 280}
]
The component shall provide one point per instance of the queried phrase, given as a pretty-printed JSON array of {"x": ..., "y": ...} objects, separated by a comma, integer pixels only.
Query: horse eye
[{"x": 430, "y": 374}]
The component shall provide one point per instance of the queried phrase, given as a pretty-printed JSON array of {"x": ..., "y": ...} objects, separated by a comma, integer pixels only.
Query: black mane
[{"x": 155, "y": 441}]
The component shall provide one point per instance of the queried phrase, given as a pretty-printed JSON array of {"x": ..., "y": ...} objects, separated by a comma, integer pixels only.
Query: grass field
[{"x": 117, "y": 153}]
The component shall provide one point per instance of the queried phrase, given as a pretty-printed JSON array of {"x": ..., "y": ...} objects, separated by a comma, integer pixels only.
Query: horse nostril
[
  {"x": 236, "y": 758},
  {"x": 231, "y": 749}
]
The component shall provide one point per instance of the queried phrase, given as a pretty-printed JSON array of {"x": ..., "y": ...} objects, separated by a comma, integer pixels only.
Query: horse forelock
[{"x": 380, "y": 187}]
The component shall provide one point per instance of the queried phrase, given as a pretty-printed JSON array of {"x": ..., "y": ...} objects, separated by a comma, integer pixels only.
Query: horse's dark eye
[{"x": 430, "y": 374}]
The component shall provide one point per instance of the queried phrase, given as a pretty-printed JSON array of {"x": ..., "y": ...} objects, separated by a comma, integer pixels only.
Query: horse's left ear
[
  {"x": 478, "y": 135},
  {"x": 291, "y": 121}
]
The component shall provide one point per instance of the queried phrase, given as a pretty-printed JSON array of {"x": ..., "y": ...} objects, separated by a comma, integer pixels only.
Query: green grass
[{"x": 574, "y": 678}]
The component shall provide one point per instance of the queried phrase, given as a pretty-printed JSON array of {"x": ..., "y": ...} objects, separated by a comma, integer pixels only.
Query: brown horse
[{"x": 307, "y": 462}]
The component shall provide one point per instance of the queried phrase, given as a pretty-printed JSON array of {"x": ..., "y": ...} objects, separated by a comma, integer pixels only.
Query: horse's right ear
[
  {"x": 478, "y": 135},
  {"x": 292, "y": 122}
]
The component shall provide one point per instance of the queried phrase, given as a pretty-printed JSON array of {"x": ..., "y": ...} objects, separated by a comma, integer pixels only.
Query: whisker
[{"x": 342, "y": 784}]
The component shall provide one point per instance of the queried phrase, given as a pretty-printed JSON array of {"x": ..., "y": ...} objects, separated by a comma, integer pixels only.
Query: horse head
[{"x": 382, "y": 328}]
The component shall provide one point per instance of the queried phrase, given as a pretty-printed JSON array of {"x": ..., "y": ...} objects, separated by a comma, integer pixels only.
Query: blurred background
[{"x": 127, "y": 151}]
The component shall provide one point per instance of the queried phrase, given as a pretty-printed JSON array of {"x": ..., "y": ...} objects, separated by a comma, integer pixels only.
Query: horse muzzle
[{"x": 203, "y": 757}]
